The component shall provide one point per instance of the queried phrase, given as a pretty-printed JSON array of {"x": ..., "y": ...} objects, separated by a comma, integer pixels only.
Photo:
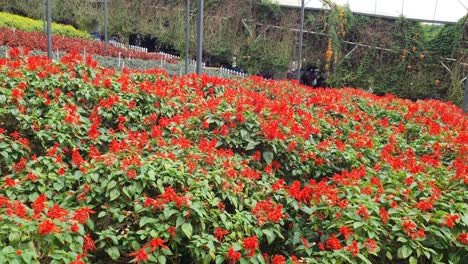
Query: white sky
[{"x": 438, "y": 10}]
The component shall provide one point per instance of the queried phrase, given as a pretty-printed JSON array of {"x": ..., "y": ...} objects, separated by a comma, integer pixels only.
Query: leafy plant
[{"x": 108, "y": 167}]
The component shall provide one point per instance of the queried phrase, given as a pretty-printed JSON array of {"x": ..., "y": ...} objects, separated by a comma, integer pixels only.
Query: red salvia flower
[
  {"x": 384, "y": 215},
  {"x": 278, "y": 259},
  {"x": 267, "y": 211},
  {"x": 463, "y": 238},
  {"x": 408, "y": 226},
  {"x": 56, "y": 212},
  {"x": 88, "y": 243},
  {"x": 233, "y": 256},
  {"x": 333, "y": 243},
  {"x": 346, "y": 231},
  {"x": 353, "y": 248},
  {"x": 171, "y": 230},
  {"x": 47, "y": 227},
  {"x": 140, "y": 255},
  {"x": 371, "y": 245},
  {"x": 251, "y": 244},
  {"x": 450, "y": 219},
  {"x": 424, "y": 205},
  {"x": 77, "y": 160},
  {"x": 82, "y": 214},
  {"x": 363, "y": 212},
  {"x": 155, "y": 243},
  {"x": 220, "y": 233}
]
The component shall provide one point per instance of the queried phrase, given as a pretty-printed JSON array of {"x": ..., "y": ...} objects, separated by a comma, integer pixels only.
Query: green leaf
[
  {"x": 364, "y": 259},
  {"x": 13, "y": 237},
  {"x": 251, "y": 145},
  {"x": 168, "y": 212},
  {"x": 413, "y": 260},
  {"x": 102, "y": 214},
  {"x": 162, "y": 259},
  {"x": 26, "y": 256},
  {"x": 268, "y": 156},
  {"x": 187, "y": 229},
  {"x": 114, "y": 194},
  {"x": 111, "y": 185},
  {"x": 389, "y": 255},
  {"x": 144, "y": 220},
  {"x": 113, "y": 252},
  {"x": 219, "y": 259},
  {"x": 404, "y": 252},
  {"x": 270, "y": 235},
  {"x": 357, "y": 224}
]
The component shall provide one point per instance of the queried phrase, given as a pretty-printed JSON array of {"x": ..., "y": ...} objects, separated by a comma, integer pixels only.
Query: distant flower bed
[
  {"x": 99, "y": 166},
  {"x": 38, "y": 41},
  {"x": 11, "y": 21}
]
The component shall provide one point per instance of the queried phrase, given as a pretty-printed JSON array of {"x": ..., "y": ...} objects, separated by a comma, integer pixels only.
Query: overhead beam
[
  {"x": 344, "y": 41},
  {"x": 378, "y": 15}
]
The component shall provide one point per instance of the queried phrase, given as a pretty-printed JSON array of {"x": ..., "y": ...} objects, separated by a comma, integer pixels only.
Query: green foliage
[
  {"x": 269, "y": 9},
  {"x": 187, "y": 169},
  {"x": 264, "y": 55}
]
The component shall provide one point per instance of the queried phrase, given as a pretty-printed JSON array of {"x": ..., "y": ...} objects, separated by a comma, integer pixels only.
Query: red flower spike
[{"x": 233, "y": 256}]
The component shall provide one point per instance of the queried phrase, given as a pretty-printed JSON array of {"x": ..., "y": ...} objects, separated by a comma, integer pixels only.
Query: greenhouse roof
[{"x": 436, "y": 11}]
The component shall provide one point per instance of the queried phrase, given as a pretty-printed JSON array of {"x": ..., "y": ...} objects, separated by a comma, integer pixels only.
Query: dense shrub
[
  {"x": 32, "y": 25},
  {"x": 112, "y": 167}
]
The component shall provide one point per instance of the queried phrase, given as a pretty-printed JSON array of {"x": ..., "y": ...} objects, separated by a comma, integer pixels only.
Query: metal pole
[
  {"x": 200, "y": 37},
  {"x": 49, "y": 30},
  {"x": 301, "y": 33},
  {"x": 44, "y": 16},
  {"x": 465, "y": 97},
  {"x": 435, "y": 9},
  {"x": 187, "y": 35},
  {"x": 105, "y": 25},
  {"x": 402, "y": 7}
]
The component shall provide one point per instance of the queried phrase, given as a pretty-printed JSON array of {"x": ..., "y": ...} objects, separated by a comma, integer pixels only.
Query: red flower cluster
[
  {"x": 267, "y": 211},
  {"x": 251, "y": 244},
  {"x": 47, "y": 227},
  {"x": 38, "y": 41},
  {"x": 168, "y": 196},
  {"x": 220, "y": 233},
  {"x": 233, "y": 256},
  {"x": 142, "y": 255},
  {"x": 463, "y": 238},
  {"x": 333, "y": 243}
]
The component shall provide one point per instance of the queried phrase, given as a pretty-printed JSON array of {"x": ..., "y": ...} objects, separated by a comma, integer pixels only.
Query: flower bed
[
  {"x": 33, "y": 25},
  {"x": 102, "y": 167},
  {"x": 38, "y": 41}
]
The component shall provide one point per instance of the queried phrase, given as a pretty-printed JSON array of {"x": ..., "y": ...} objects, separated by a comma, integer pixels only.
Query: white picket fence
[
  {"x": 132, "y": 47},
  {"x": 194, "y": 63},
  {"x": 137, "y": 48},
  {"x": 168, "y": 56},
  {"x": 232, "y": 72},
  {"x": 117, "y": 44}
]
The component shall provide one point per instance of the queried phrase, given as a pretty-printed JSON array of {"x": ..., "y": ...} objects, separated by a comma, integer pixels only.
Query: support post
[
  {"x": 44, "y": 16},
  {"x": 402, "y": 7},
  {"x": 200, "y": 37},
  {"x": 301, "y": 34},
  {"x": 187, "y": 35},
  {"x": 49, "y": 30},
  {"x": 105, "y": 25}
]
